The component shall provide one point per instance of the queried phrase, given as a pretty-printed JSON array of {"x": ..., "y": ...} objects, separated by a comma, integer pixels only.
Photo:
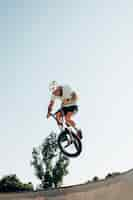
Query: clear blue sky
[{"x": 87, "y": 44}]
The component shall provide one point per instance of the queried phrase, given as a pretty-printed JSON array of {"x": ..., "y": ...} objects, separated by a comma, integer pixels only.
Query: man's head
[
  {"x": 55, "y": 88},
  {"x": 53, "y": 85}
]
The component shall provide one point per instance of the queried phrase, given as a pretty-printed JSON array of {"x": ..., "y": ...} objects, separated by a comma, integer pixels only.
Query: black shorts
[{"x": 65, "y": 110}]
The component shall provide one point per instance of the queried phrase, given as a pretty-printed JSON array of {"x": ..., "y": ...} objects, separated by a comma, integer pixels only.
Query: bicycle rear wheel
[{"x": 71, "y": 146}]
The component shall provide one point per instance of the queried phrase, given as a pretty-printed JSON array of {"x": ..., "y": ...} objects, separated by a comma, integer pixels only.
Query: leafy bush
[{"x": 10, "y": 183}]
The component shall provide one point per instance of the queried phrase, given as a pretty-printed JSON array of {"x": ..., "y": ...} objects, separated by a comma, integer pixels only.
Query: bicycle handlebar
[{"x": 53, "y": 115}]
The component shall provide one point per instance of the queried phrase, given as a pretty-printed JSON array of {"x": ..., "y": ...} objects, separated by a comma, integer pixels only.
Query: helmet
[{"x": 53, "y": 86}]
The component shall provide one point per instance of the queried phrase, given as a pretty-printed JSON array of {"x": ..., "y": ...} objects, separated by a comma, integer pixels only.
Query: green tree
[
  {"x": 49, "y": 163},
  {"x": 60, "y": 170},
  {"x": 11, "y": 183},
  {"x": 111, "y": 175},
  {"x": 95, "y": 179}
]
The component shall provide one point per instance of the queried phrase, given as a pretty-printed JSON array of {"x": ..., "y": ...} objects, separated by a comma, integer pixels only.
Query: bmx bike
[{"x": 68, "y": 140}]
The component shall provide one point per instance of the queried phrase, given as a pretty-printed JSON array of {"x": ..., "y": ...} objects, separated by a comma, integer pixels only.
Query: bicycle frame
[{"x": 63, "y": 125}]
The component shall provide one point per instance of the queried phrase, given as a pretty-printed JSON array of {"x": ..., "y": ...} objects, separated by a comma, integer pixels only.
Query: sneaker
[{"x": 79, "y": 134}]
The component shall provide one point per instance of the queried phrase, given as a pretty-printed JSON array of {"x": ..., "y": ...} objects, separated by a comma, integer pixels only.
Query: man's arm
[
  {"x": 74, "y": 96},
  {"x": 50, "y": 106}
]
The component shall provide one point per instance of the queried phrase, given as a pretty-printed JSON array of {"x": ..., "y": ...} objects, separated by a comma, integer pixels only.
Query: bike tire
[{"x": 77, "y": 143}]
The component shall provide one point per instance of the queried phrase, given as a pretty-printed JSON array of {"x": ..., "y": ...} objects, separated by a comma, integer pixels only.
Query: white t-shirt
[{"x": 66, "y": 95}]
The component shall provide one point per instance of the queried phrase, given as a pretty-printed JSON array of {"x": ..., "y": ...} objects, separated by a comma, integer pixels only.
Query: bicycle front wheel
[{"x": 71, "y": 146}]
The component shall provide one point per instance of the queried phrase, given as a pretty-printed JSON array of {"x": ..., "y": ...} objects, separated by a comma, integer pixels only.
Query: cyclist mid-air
[{"x": 69, "y": 107}]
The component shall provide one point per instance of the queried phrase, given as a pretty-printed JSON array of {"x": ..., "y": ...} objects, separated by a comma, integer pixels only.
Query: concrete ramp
[{"x": 115, "y": 188}]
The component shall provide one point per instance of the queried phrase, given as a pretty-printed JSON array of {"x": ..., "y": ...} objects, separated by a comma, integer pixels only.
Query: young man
[{"x": 69, "y": 106}]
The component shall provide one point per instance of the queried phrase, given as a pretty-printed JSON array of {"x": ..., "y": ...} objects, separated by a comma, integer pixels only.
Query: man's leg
[
  {"x": 68, "y": 119},
  {"x": 70, "y": 122},
  {"x": 59, "y": 117}
]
